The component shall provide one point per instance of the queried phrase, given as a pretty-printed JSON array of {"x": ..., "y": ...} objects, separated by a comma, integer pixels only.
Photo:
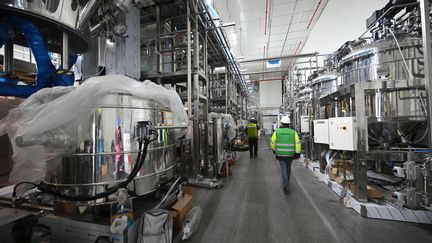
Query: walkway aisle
[{"x": 252, "y": 208}]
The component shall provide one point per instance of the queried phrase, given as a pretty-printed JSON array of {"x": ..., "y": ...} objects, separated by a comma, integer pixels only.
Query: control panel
[
  {"x": 321, "y": 131},
  {"x": 343, "y": 133},
  {"x": 304, "y": 124}
]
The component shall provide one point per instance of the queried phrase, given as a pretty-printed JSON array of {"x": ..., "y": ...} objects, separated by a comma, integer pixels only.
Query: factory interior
[{"x": 159, "y": 121}]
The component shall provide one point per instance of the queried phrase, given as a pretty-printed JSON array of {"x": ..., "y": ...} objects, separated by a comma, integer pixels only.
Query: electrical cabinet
[
  {"x": 321, "y": 131},
  {"x": 343, "y": 133},
  {"x": 304, "y": 124}
]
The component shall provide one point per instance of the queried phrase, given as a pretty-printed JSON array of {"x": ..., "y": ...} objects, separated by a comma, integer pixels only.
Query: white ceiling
[{"x": 286, "y": 33}]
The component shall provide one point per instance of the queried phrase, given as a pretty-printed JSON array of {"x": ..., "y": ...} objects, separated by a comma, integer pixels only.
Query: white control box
[
  {"x": 321, "y": 131},
  {"x": 343, "y": 133},
  {"x": 304, "y": 124}
]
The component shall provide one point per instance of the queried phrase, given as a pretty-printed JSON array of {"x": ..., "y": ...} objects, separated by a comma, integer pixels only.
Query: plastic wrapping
[
  {"x": 191, "y": 223},
  {"x": 229, "y": 125},
  {"x": 56, "y": 110}
]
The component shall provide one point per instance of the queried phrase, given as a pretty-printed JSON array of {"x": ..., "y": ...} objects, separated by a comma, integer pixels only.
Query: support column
[
  {"x": 8, "y": 58},
  {"x": 159, "y": 58},
  {"x": 65, "y": 51},
  {"x": 360, "y": 163},
  {"x": 206, "y": 105},
  {"x": 427, "y": 55},
  {"x": 195, "y": 87},
  {"x": 226, "y": 89}
]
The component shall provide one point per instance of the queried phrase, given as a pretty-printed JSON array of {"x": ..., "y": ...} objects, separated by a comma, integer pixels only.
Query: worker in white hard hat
[
  {"x": 252, "y": 129},
  {"x": 285, "y": 143}
]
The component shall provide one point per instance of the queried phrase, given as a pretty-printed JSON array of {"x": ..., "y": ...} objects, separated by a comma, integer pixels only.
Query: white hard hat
[{"x": 285, "y": 120}]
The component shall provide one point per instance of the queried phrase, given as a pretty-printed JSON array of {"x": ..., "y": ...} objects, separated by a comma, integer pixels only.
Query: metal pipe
[
  {"x": 427, "y": 55},
  {"x": 265, "y": 80},
  {"x": 386, "y": 12},
  {"x": 8, "y": 58},
  {"x": 313, "y": 15},
  {"x": 272, "y": 71},
  {"x": 280, "y": 57},
  {"x": 65, "y": 51},
  {"x": 170, "y": 127},
  {"x": 87, "y": 12},
  {"x": 196, "y": 87},
  {"x": 265, "y": 19},
  {"x": 189, "y": 62}
]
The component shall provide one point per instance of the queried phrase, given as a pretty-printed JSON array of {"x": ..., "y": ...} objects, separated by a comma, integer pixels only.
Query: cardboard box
[
  {"x": 188, "y": 190},
  {"x": 372, "y": 192},
  {"x": 180, "y": 210}
]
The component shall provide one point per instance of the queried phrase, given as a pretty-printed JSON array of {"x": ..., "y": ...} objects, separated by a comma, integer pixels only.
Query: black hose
[{"x": 43, "y": 187}]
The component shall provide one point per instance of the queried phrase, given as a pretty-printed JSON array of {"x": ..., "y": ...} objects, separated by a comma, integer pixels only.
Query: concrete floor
[{"x": 252, "y": 208}]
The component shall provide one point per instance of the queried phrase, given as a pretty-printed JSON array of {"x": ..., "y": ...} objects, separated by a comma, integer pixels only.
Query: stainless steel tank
[
  {"x": 325, "y": 84},
  {"x": 394, "y": 108},
  {"x": 110, "y": 152},
  {"x": 382, "y": 60},
  {"x": 55, "y": 16}
]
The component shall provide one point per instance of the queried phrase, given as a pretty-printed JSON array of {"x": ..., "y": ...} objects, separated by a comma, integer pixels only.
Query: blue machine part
[{"x": 47, "y": 75}]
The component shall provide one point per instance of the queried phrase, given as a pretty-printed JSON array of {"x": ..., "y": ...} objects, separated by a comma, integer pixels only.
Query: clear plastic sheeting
[
  {"x": 191, "y": 223},
  {"x": 229, "y": 124},
  {"x": 64, "y": 113}
]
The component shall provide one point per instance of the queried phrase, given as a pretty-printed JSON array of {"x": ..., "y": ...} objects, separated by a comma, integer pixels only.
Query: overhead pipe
[
  {"x": 222, "y": 39},
  {"x": 313, "y": 15},
  {"x": 295, "y": 53},
  {"x": 265, "y": 19},
  {"x": 266, "y": 80},
  {"x": 281, "y": 57}
]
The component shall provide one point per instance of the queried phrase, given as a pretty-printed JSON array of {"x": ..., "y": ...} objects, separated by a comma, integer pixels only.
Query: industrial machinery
[
  {"x": 109, "y": 140},
  {"x": 221, "y": 136},
  {"x": 86, "y": 167},
  {"x": 369, "y": 107},
  {"x": 302, "y": 118}
]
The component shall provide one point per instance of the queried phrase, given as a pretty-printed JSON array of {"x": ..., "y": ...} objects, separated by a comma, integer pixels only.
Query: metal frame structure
[{"x": 188, "y": 45}]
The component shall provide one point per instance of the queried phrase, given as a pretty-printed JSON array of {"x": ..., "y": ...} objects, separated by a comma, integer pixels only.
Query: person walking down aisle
[
  {"x": 252, "y": 132},
  {"x": 285, "y": 143}
]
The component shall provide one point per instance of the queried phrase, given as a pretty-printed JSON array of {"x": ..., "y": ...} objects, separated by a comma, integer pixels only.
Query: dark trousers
[
  {"x": 253, "y": 146},
  {"x": 285, "y": 164}
]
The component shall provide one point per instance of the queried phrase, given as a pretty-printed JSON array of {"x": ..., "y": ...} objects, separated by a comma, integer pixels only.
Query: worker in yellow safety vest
[
  {"x": 252, "y": 132},
  {"x": 285, "y": 143}
]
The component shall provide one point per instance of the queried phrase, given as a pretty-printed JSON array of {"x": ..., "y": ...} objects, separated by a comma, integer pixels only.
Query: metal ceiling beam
[
  {"x": 281, "y": 57},
  {"x": 272, "y": 71}
]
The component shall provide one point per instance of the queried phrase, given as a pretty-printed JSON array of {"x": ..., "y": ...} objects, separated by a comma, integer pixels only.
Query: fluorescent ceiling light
[
  {"x": 240, "y": 57},
  {"x": 228, "y": 24},
  {"x": 243, "y": 70}
]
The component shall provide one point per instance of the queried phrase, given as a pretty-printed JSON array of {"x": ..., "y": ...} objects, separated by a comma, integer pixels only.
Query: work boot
[
  {"x": 286, "y": 190},
  {"x": 251, "y": 156}
]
